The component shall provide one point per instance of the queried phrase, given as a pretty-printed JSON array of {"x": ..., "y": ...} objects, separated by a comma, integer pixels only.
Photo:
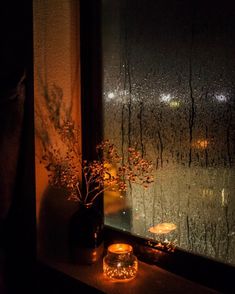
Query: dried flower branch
[{"x": 65, "y": 169}]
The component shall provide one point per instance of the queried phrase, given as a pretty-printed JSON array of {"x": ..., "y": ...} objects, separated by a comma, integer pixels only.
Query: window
[
  {"x": 168, "y": 88},
  {"x": 133, "y": 90}
]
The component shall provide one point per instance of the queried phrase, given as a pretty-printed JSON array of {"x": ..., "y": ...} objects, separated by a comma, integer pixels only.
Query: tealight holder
[{"x": 120, "y": 264}]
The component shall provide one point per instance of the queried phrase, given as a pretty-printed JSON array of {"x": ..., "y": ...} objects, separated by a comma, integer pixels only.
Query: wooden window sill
[{"x": 151, "y": 279}]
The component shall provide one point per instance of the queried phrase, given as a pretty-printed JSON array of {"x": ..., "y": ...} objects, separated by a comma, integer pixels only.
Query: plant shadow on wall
[
  {"x": 83, "y": 182},
  {"x": 53, "y": 114}
]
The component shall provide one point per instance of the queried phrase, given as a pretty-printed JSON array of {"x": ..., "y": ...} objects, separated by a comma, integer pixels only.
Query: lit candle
[
  {"x": 163, "y": 228},
  {"x": 120, "y": 263}
]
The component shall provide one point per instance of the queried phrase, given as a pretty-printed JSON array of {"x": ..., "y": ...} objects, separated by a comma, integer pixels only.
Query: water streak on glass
[{"x": 168, "y": 88}]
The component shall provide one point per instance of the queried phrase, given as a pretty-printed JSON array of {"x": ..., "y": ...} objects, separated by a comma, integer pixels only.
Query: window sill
[{"x": 150, "y": 279}]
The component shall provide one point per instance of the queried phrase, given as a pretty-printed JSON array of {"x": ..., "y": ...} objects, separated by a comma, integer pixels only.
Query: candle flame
[
  {"x": 163, "y": 228},
  {"x": 120, "y": 248}
]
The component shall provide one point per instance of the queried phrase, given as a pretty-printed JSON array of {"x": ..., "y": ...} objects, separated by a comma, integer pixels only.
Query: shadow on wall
[{"x": 54, "y": 216}]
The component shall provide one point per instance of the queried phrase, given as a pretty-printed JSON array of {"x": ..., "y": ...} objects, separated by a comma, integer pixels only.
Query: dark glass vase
[{"x": 86, "y": 234}]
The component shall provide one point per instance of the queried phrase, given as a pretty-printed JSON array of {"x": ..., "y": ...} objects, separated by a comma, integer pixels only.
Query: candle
[
  {"x": 163, "y": 228},
  {"x": 120, "y": 263}
]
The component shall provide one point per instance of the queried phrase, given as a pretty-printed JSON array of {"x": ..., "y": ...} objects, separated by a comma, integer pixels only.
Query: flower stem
[{"x": 101, "y": 191}]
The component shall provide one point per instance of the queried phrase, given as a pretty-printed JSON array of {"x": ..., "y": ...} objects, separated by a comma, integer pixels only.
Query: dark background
[{"x": 17, "y": 189}]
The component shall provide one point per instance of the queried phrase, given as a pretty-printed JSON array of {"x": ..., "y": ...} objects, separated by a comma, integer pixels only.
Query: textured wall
[{"x": 57, "y": 93}]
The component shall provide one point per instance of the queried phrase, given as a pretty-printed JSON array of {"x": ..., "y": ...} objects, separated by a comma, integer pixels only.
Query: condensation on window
[{"x": 168, "y": 88}]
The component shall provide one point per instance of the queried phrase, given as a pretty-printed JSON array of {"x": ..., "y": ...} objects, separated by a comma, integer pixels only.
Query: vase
[{"x": 86, "y": 231}]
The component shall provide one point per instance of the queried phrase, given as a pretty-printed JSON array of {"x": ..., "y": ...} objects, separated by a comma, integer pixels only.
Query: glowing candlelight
[
  {"x": 163, "y": 228},
  {"x": 120, "y": 263},
  {"x": 201, "y": 144}
]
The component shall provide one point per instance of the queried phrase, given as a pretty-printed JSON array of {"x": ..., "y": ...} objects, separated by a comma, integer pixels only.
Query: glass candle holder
[{"x": 120, "y": 263}]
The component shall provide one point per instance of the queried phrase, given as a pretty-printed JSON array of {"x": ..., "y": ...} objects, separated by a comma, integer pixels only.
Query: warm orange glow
[
  {"x": 120, "y": 264},
  {"x": 120, "y": 248},
  {"x": 202, "y": 144},
  {"x": 163, "y": 228},
  {"x": 113, "y": 203},
  {"x": 113, "y": 199}
]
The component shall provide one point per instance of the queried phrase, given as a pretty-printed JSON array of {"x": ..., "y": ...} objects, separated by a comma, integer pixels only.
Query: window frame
[{"x": 198, "y": 268}]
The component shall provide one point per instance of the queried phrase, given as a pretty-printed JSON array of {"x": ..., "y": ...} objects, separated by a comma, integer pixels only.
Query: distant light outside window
[{"x": 168, "y": 84}]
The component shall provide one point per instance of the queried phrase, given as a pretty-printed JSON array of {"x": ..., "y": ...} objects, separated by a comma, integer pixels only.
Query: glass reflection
[{"x": 168, "y": 75}]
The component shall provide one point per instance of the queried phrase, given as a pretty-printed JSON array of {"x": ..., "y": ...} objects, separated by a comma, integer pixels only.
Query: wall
[{"x": 57, "y": 94}]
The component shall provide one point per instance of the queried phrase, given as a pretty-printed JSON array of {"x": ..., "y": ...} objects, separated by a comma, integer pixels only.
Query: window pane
[{"x": 168, "y": 88}]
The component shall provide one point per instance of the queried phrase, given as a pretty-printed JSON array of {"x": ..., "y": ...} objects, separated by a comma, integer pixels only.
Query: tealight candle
[{"x": 120, "y": 263}]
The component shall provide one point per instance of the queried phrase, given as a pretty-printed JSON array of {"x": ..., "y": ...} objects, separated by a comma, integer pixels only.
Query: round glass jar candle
[{"x": 120, "y": 263}]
